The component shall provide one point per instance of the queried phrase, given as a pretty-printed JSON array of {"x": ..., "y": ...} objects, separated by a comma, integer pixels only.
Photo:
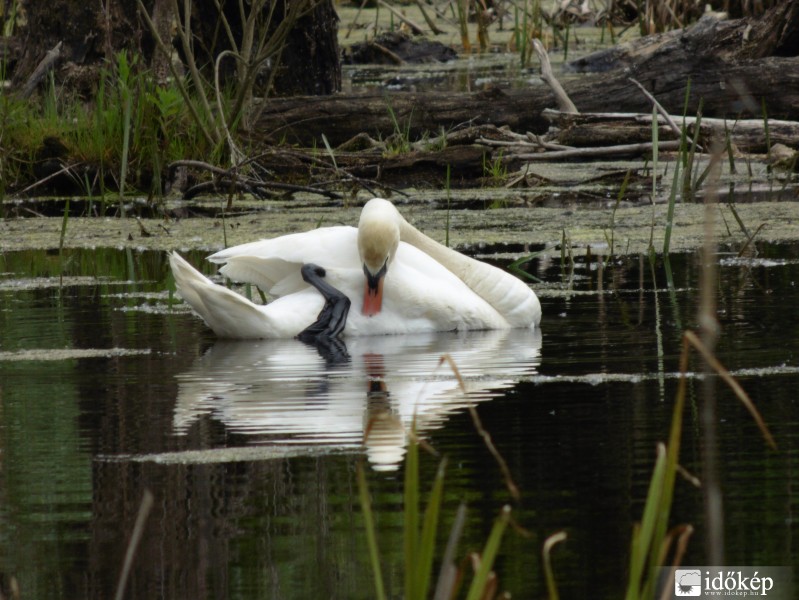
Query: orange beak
[{"x": 372, "y": 297}]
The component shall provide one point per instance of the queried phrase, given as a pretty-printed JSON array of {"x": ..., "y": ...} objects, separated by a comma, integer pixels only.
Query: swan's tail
[{"x": 229, "y": 314}]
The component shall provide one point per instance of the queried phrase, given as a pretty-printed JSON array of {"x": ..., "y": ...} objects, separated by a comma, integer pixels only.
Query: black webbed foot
[{"x": 333, "y": 316}]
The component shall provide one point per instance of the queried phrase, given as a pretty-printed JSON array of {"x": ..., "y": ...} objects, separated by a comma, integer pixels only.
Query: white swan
[{"x": 397, "y": 279}]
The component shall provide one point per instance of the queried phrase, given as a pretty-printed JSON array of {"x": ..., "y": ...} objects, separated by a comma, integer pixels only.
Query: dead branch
[
  {"x": 392, "y": 56},
  {"x": 417, "y": 30},
  {"x": 41, "y": 70},
  {"x": 430, "y": 23},
  {"x": 748, "y": 135},
  {"x": 66, "y": 169},
  {"x": 229, "y": 177},
  {"x": 664, "y": 113},
  {"x": 619, "y": 150},
  {"x": 564, "y": 102}
]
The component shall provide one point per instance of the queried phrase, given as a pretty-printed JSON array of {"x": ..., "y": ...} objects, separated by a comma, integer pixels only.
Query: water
[{"x": 251, "y": 449}]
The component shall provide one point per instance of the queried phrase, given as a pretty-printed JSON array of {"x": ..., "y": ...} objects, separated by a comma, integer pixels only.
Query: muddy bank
[{"x": 502, "y": 225}]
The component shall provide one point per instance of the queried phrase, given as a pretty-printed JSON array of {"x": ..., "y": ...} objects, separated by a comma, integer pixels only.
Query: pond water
[{"x": 109, "y": 389}]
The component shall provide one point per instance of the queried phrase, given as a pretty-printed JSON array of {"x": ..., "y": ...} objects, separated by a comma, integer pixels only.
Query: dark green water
[{"x": 106, "y": 391}]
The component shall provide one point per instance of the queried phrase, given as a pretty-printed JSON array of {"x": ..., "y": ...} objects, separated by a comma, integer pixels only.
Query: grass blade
[
  {"x": 642, "y": 538},
  {"x": 482, "y": 577},
  {"x": 734, "y": 386},
  {"x": 552, "y": 588},
  {"x": 371, "y": 538},
  {"x": 448, "y": 576},
  {"x": 411, "y": 516},
  {"x": 670, "y": 214},
  {"x": 427, "y": 542}
]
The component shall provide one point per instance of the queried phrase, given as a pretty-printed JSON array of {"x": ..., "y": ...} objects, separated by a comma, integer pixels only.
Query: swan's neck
[
  {"x": 513, "y": 299},
  {"x": 459, "y": 264}
]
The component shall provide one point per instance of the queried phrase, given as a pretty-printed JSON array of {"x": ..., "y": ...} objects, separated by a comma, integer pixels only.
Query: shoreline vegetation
[{"x": 190, "y": 134}]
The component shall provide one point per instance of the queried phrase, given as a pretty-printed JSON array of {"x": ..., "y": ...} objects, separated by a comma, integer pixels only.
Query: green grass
[
  {"x": 124, "y": 138},
  {"x": 420, "y": 538},
  {"x": 398, "y": 142},
  {"x": 495, "y": 169}
]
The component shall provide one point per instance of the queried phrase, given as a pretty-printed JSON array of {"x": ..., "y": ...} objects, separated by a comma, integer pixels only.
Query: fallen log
[
  {"x": 735, "y": 68},
  {"x": 420, "y": 168},
  {"x": 775, "y": 33},
  {"x": 606, "y": 129},
  {"x": 303, "y": 120},
  {"x": 734, "y": 92}
]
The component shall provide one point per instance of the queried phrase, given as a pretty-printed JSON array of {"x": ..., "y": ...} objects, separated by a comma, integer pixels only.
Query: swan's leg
[{"x": 333, "y": 316}]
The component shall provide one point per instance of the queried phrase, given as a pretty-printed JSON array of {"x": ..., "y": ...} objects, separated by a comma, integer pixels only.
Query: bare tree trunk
[
  {"x": 89, "y": 31},
  {"x": 93, "y": 31},
  {"x": 308, "y": 65}
]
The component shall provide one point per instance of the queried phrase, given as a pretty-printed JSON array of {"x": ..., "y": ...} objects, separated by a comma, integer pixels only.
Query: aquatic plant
[
  {"x": 525, "y": 28},
  {"x": 611, "y": 240},
  {"x": 399, "y": 142},
  {"x": 495, "y": 169},
  {"x": 652, "y": 541},
  {"x": 462, "y": 7},
  {"x": 420, "y": 531},
  {"x": 420, "y": 534},
  {"x": 673, "y": 14}
]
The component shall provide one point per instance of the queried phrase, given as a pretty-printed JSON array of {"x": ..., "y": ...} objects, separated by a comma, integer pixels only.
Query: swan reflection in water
[{"x": 284, "y": 392}]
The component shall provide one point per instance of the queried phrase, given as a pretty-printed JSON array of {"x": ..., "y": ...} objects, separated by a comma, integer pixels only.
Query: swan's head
[{"x": 378, "y": 240}]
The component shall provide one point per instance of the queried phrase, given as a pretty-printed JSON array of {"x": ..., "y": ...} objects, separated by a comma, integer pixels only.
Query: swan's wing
[
  {"x": 232, "y": 316},
  {"x": 274, "y": 265}
]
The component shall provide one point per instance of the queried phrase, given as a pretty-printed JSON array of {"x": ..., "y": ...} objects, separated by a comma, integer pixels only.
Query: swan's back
[{"x": 274, "y": 265}]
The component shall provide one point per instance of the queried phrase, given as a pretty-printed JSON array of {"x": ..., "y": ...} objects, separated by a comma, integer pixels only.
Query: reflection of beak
[{"x": 373, "y": 291}]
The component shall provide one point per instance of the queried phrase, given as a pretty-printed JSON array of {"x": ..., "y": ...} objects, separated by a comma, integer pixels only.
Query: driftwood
[
  {"x": 466, "y": 152},
  {"x": 380, "y": 169},
  {"x": 604, "y": 129},
  {"x": 731, "y": 65},
  {"x": 230, "y": 180}
]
